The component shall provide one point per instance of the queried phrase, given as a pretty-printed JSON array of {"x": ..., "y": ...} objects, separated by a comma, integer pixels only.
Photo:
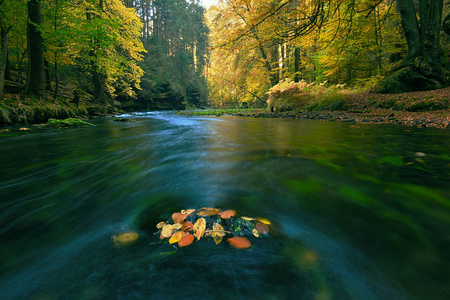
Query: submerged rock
[{"x": 70, "y": 122}]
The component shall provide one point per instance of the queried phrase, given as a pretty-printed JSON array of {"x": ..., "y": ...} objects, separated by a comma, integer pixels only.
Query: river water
[{"x": 356, "y": 211}]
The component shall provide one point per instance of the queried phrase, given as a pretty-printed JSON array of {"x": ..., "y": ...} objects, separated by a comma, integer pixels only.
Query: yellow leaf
[
  {"x": 176, "y": 226},
  {"x": 160, "y": 224},
  {"x": 187, "y": 211},
  {"x": 176, "y": 237},
  {"x": 217, "y": 239},
  {"x": 218, "y": 230},
  {"x": 255, "y": 232},
  {"x": 247, "y": 218},
  {"x": 199, "y": 228},
  {"x": 125, "y": 238},
  {"x": 265, "y": 221}
]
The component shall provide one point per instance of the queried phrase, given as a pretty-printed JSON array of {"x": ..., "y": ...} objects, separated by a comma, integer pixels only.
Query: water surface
[{"x": 357, "y": 211}]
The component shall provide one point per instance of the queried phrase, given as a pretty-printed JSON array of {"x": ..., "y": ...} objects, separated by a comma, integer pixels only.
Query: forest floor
[{"x": 420, "y": 109}]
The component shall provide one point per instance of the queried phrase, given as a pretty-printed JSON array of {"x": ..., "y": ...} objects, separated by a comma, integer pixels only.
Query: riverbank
[
  {"x": 13, "y": 110},
  {"x": 420, "y": 109}
]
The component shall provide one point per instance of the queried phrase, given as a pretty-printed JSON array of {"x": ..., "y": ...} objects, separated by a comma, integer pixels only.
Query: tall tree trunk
[
  {"x": 7, "y": 63},
  {"x": 36, "y": 77},
  {"x": 4, "y": 60},
  {"x": 422, "y": 68},
  {"x": 98, "y": 79},
  {"x": 297, "y": 75}
]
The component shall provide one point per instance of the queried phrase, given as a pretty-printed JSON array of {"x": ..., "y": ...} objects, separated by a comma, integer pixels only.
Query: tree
[
  {"x": 422, "y": 68},
  {"x": 36, "y": 71}
]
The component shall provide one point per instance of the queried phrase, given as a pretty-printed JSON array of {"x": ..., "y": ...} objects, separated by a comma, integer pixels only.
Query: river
[{"x": 356, "y": 211}]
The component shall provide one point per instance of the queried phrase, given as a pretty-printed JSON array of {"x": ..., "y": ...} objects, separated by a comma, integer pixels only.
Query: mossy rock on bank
[
  {"x": 70, "y": 122},
  {"x": 408, "y": 79}
]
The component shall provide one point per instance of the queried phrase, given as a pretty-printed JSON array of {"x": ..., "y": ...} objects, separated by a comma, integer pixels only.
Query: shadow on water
[{"x": 356, "y": 212}]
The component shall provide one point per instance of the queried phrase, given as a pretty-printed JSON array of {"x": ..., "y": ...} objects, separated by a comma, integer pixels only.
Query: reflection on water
[{"x": 358, "y": 212}]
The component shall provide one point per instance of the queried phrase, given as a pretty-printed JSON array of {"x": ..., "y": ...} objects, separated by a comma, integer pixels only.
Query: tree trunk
[
  {"x": 7, "y": 63},
  {"x": 422, "y": 68},
  {"x": 36, "y": 77},
  {"x": 297, "y": 75},
  {"x": 4, "y": 60}
]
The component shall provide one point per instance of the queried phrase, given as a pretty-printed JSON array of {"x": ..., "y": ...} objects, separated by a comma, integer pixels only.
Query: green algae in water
[{"x": 70, "y": 122}]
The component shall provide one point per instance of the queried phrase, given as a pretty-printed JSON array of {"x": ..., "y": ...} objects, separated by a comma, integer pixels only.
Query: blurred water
[{"x": 357, "y": 211}]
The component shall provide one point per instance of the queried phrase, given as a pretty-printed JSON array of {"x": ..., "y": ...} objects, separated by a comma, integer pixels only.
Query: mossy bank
[{"x": 31, "y": 111}]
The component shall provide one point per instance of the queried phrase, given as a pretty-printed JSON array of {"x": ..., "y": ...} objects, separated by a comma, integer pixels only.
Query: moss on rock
[{"x": 69, "y": 122}]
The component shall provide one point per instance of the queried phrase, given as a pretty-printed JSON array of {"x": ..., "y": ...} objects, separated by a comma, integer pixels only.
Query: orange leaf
[
  {"x": 187, "y": 226},
  {"x": 239, "y": 242},
  {"x": 262, "y": 228},
  {"x": 178, "y": 217},
  {"x": 206, "y": 212},
  {"x": 226, "y": 214},
  {"x": 186, "y": 240}
]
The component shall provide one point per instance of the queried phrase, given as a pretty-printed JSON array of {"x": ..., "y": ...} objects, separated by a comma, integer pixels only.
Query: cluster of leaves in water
[{"x": 190, "y": 224}]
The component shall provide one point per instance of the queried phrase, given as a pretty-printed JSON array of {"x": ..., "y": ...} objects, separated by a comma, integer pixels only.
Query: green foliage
[{"x": 70, "y": 122}]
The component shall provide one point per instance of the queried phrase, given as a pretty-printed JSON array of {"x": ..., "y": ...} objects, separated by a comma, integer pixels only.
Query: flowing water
[{"x": 356, "y": 211}]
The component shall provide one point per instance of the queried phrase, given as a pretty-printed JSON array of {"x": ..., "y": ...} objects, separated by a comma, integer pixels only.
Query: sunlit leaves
[{"x": 166, "y": 231}]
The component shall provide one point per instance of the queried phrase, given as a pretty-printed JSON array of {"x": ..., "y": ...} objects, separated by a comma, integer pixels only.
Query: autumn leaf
[
  {"x": 186, "y": 240},
  {"x": 176, "y": 226},
  {"x": 187, "y": 211},
  {"x": 166, "y": 231},
  {"x": 262, "y": 228},
  {"x": 217, "y": 239},
  {"x": 264, "y": 221},
  {"x": 187, "y": 226},
  {"x": 226, "y": 214},
  {"x": 175, "y": 237},
  {"x": 218, "y": 230},
  {"x": 239, "y": 242},
  {"x": 179, "y": 217},
  {"x": 248, "y": 219},
  {"x": 160, "y": 225},
  {"x": 207, "y": 212},
  {"x": 125, "y": 238},
  {"x": 255, "y": 233},
  {"x": 199, "y": 228}
]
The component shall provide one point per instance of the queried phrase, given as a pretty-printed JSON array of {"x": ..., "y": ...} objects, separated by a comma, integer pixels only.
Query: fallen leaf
[
  {"x": 24, "y": 128},
  {"x": 226, "y": 214},
  {"x": 186, "y": 240},
  {"x": 167, "y": 231},
  {"x": 217, "y": 239},
  {"x": 176, "y": 226},
  {"x": 247, "y": 218},
  {"x": 187, "y": 211},
  {"x": 187, "y": 226},
  {"x": 4, "y": 130},
  {"x": 262, "y": 228},
  {"x": 239, "y": 242},
  {"x": 264, "y": 221},
  {"x": 125, "y": 238},
  {"x": 207, "y": 212},
  {"x": 179, "y": 217},
  {"x": 255, "y": 233},
  {"x": 218, "y": 230},
  {"x": 175, "y": 237},
  {"x": 160, "y": 225},
  {"x": 199, "y": 228}
]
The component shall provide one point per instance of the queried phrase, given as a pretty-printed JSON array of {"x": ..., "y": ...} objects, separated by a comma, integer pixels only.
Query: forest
[{"x": 100, "y": 56}]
